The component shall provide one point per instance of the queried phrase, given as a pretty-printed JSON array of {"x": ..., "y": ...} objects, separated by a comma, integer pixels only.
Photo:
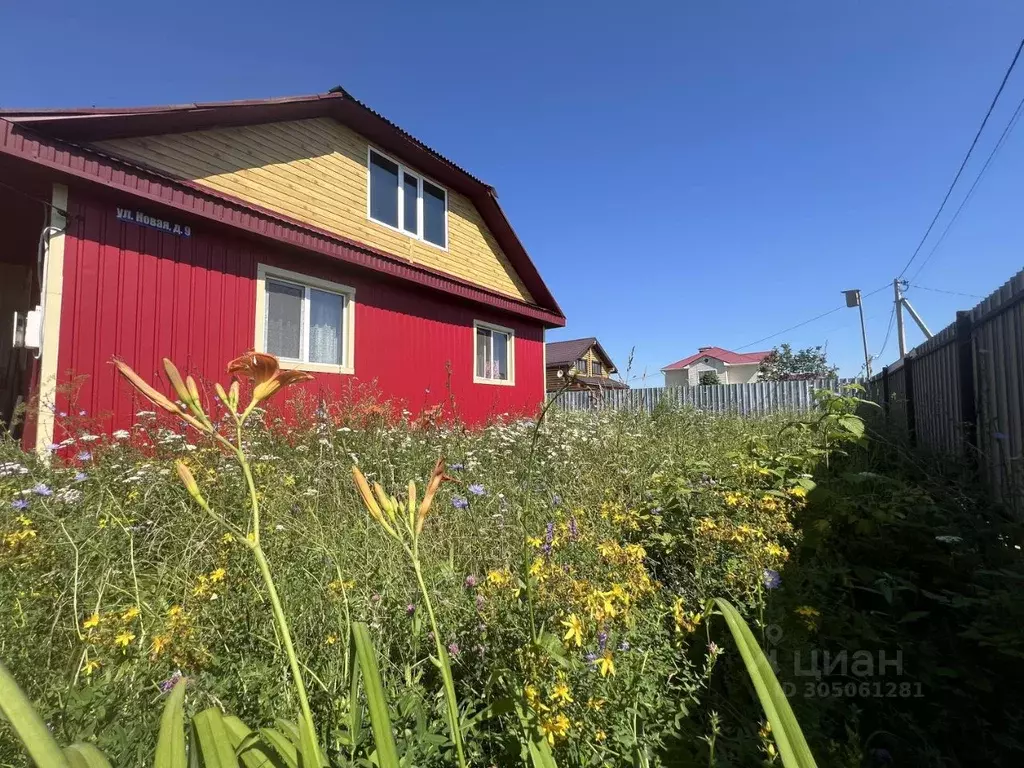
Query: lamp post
[{"x": 853, "y": 300}]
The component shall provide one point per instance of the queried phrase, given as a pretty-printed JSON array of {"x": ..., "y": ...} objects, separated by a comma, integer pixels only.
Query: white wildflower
[{"x": 121, "y": 434}]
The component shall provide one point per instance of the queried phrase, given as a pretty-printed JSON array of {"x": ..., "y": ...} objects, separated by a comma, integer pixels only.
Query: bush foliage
[{"x": 569, "y": 566}]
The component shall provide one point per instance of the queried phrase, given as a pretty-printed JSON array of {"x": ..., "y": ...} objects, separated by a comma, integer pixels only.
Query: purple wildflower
[
  {"x": 556, "y": 500},
  {"x": 602, "y": 640},
  {"x": 410, "y": 609},
  {"x": 460, "y": 502},
  {"x": 479, "y": 602},
  {"x": 477, "y": 489},
  {"x": 170, "y": 682},
  {"x": 574, "y": 529},
  {"x": 456, "y": 467},
  {"x": 81, "y": 477},
  {"x": 470, "y": 581},
  {"x": 20, "y": 503},
  {"x": 453, "y": 649},
  {"x": 624, "y": 645},
  {"x": 375, "y": 598},
  {"x": 84, "y": 456},
  {"x": 713, "y": 649},
  {"x": 41, "y": 489},
  {"x": 591, "y": 657},
  {"x": 772, "y": 579}
]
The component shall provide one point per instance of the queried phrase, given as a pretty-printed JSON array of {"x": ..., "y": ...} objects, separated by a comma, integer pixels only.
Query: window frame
[
  {"x": 511, "y": 334},
  {"x": 599, "y": 371},
  {"x": 266, "y": 272},
  {"x": 581, "y": 366},
  {"x": 420, "y": 179}
]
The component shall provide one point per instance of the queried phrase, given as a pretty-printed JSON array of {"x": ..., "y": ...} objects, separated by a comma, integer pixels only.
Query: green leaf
[
  {"x": 852, "y": 424},
  {"x": 380, "y": 721},
  {"x": 170, "y": 744},
  {"x": 286, "y": 752},
  {"x": 213, "y": 740},
  {"x": 249, "y": 746},
  {"x": 355, "y": 706},
  {"x": 536, "y": 745},
  {"x": 28, "y": 725},
  {"x": 83, "y": 755},
  {"x": 788, "y": 736}
]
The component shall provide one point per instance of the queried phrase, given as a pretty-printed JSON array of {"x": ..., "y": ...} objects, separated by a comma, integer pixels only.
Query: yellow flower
[
  {"x": 685, "y": 622},
  {"x": 533, "y": 698},
  {"x": 218, "y": 575},
  {"x": 24, "y": 520},
  {"x": 733, "y": 499},
  {"x": 91, "y": 666},
  {"x": 595, "y": 704},
  {"x": 499, "y": 578},
  {"x": 537, "y": 567},
  {"x": 535, "y": 541},
  {"x": 174, "y": 611},
  {"x": 808, "y": 611},
  {"x": 774, "y": 550},
  {"x": 130, "y": 614},
  {"x": 553, "y": 728},
  {"x": 574, "y": 630},
  {"x": 331, "y": 639},
  {"x": 562, "y": 693},
  {"x": 799, "y": 491},
  {"x": 92, "y": 621},
  {"x": 606, "y": 664},
  {"x": 600, "y": 736},
  {"x": 124, "y": 639},
  {"x": 159, "y": 643},
  {"x": 227, "y": 538}
]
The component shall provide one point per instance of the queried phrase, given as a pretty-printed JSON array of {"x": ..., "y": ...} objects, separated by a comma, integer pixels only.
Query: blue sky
[{"x": 684, "y": 174}]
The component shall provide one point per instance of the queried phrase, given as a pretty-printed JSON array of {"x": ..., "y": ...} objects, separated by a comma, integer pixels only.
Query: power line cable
[
  {"x": 1010, "y": 125},
  {"x": 888, "y": 331},
  {"x": 951, "y": 293},
  {"x": 809, "y": 320},
  {"x": 967, "y": 157}
]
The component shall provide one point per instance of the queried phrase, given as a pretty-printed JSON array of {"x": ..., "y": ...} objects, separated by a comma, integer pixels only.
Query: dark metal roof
[
  {"x": 98, "y": 123},
  {"x": 568, "y": 352}
]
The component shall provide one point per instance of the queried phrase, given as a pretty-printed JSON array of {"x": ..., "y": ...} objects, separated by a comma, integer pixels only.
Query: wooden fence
[
  {"x": 756, "y": 399},
  {"x": 962, "y": 392}
]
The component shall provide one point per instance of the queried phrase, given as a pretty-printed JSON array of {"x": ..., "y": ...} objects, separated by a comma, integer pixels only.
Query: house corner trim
[{"x": 53, "y": 290}]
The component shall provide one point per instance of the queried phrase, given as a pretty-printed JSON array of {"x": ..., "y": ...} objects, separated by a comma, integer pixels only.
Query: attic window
[
  {"x": 597, "y": 368},
  {"x": 402, "y": 199}
]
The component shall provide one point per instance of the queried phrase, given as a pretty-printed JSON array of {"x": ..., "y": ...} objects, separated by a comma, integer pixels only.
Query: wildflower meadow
[{"x": 330, "y": 585}]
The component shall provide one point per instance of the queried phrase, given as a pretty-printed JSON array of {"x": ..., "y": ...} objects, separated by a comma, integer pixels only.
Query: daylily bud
[
  {"x": 371, "y": 503},
  {"x": 189, "y": 481},
  {"x": 175, "y": 378},
  {"x": 233, "y": 394},
  {"x": 436, "y": 478},
  {"x": 222, "y": 396}
]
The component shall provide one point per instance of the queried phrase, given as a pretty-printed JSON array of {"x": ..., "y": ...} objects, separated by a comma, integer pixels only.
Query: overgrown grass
[{"x": 113, "y": 582}]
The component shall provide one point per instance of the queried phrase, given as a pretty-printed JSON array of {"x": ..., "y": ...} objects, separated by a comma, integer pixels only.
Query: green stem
[
  {"x": 286, "y": 635},
  {"x": 442, "y": 657}
]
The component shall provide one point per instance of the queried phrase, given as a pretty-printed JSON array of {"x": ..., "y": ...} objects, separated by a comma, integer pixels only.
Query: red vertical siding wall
[{"x": 142, "y": 294}]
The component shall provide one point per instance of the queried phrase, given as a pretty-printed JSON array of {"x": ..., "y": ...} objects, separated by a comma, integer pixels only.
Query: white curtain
[{"x": 326, "y": 311}]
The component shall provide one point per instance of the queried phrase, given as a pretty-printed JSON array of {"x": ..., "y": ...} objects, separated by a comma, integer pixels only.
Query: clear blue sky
[{"x": 683, "y": 174}]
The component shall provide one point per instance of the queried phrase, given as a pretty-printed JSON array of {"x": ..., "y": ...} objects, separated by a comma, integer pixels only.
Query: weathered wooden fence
[
  {"x": 962, "y": 391},
  {"x": 756, "y": 399}
]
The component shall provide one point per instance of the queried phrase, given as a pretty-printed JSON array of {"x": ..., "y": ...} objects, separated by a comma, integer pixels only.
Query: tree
[
  {"x": 709, "y": 379},
  {"x": 783, "y": 364}
]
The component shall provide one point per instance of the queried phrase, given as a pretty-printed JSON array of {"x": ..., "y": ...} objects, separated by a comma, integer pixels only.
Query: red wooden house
[{"x": 311, "y": 227}]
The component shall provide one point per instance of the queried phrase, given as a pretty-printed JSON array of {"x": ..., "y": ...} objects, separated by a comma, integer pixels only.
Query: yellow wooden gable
[{"x": 315, "y": 171}]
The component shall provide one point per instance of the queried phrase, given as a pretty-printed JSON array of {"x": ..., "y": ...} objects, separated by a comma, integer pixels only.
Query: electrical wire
[
  {"x": 967, "y": 157},
  {"x": 951, "y": 293},
  {"x": 1010, "y": 125},
  {"x": 888, "y": 332},
  {"x": 809, "y": 320}
]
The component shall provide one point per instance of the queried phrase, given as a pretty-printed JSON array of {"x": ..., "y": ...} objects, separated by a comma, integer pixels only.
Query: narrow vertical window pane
[
  {"x": 410, "y": 203},
  {"x": 383, "y": 190},
  {"x": 499, "y": 365},
  {"x": 326, "y": 315},
  {"x": 284, "y": 319},
  {"x": 434, "y": 212},
  {"x": 483, "y": 353}
]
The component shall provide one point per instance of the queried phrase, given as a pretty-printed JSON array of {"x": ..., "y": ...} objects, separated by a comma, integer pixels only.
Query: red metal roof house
[
  {"x": 311, "y": 227},
  {"x": 729, "y": 367}
]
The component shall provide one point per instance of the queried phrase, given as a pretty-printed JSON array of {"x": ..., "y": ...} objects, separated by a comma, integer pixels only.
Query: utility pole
[
  {"x": 901, "y": 303},
  {"x": 901, "y": 334},
  {"x": 853, "y": 300}
]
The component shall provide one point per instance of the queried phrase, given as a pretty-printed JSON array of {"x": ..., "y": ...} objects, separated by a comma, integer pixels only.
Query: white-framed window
[
  {"x": 494, "y": 354},
  {"x": 307, "y": 322},
  {"x": 403, "y": 199},
  {"x": 597, "y": 368}
]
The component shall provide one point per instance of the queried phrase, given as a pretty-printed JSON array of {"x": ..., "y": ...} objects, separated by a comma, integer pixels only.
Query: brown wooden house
[{"x": 587, "y": 358}]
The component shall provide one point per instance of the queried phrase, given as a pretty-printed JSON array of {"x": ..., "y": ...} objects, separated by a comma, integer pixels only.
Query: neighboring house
[
  {"x": 587, "y": 357},
  {"x": 731, "y": 367},
  {"x": 310, "y": 227}
]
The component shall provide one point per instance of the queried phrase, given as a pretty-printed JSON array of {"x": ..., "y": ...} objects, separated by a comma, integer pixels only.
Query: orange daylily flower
[
  {"x": 266, "y": 373},
  {"x": 436, "y": 478}
]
